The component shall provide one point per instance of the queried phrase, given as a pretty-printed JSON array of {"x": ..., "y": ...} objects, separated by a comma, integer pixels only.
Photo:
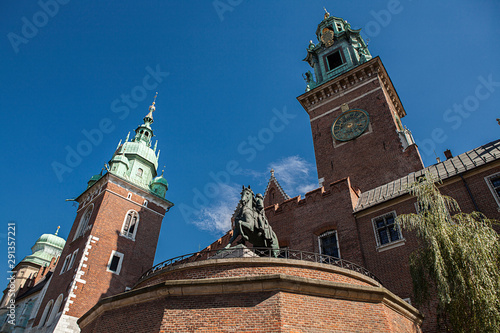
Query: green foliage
[{"x": 459, "y": 260}]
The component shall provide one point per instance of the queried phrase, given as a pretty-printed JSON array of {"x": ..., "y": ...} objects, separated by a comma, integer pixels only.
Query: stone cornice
[
  {"x": 340, "y": 85},
  {"x": 96, "y": 189}
]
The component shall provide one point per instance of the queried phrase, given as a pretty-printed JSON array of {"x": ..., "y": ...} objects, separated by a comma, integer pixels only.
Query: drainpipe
[{"x": 470, "y": 193}]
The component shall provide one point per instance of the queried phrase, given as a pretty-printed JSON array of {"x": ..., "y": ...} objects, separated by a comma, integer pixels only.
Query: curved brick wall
[
  {"x": 254, "y": 295},
  {"x": 222, "y": 268}
]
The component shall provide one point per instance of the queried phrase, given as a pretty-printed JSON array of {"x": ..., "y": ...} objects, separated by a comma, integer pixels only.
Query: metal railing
[{"x": 260, "y": 252}]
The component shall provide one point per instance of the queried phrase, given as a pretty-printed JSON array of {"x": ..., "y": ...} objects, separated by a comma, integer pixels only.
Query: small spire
[
  {"x": 119, "y": 143},
  {"x": 162, "y": 171},
  {"x": 152, "y": 108},
  {"x": 57, "y": 231},
  {"x": 272, "y": 172},
  {"x": 327, "y": 14},
  {"x": 156, "y": 144},
  {"x": 126, "y": 139}
]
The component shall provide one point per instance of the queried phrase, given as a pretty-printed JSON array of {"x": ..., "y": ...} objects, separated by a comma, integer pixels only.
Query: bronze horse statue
[{"x": 251, "y": 223}]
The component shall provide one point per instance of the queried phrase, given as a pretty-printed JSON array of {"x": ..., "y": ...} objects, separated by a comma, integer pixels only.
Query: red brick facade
[{"x": 89, "y": 279}]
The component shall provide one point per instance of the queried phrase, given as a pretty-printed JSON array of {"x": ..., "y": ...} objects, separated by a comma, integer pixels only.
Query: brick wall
[{"x": 301, "y": 298}]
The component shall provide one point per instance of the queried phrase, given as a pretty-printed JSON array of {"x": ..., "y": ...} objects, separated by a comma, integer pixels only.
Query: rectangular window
[
  {"x": 328, "y": 244},
  {"x": 115, "y": 262},
  {"x": 334, "y": 60},
  {"x": 386, "y": 230},
  {"x": 73, "y": 258},
  {"x": 494, "y": 186},
  {"x": 65, "y": 264}
]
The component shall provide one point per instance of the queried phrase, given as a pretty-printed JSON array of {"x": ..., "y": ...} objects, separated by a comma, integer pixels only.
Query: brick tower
[
  {"x": 355, "y": 112},
  {"x": 114, "y": 236}
]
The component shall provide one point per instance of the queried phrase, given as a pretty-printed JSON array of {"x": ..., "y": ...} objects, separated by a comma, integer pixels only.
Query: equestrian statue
[{"x": 251, "y": 222}]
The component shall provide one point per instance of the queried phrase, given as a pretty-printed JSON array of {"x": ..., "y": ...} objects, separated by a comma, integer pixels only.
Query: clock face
[
  {"x": 350, "y": 124},
  {"x": 327, "y": 37}
]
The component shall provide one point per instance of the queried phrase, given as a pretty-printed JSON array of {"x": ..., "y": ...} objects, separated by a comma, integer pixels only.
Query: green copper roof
[
  {"x": 340, "y": 48},
  {"x": 45, "y": 248},
  {"x": 135, "y": 160}
]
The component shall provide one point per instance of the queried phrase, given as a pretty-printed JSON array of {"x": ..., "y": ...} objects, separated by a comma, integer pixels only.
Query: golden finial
[
  {"x": 152, "y": 108},
  {"x": 57, "y": 231},
  {"x": 327, "y": 14},
  {"x": 272, "y": 172}
]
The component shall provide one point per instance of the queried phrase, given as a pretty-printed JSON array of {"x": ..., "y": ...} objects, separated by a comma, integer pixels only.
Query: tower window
[
  {"x": 339, "y": 26},
  {"x": 386, "y": 230},
  {"x": 139, "y": 172},
  {"x": 328, "y": 244},
  {"x": 129, "y": 196},
  {"x": 82, "y": 226},
  {"x": 65, "y": 264},
  {"x": 115, "y": 262},
  {"x": 334, "y": 60},
  {"x": 130, "y": 223},
  {"x": 73, "y": 258}
]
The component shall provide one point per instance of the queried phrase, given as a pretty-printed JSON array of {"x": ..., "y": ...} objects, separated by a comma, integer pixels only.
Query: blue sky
[{"x": 223, "y": 69}]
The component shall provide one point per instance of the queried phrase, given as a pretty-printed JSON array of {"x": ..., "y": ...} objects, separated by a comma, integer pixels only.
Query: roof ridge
[{"x": 466, "y": 161}]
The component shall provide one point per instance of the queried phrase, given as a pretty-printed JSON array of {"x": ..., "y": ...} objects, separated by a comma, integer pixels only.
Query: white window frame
[
  {"x": 72, "y": 261},
  {"x": 392, "y": 244},
  {"x": 488, "y": 181},
  {"x": 129, "y": 196},
  {"x": 55, "y": 309},
  {"x": 119, "y": 267},
  {"x": 328, "y": 233},
  {"x": 128, "y": 234},
  {"x": 145, "y": 203},
  {"x": 48, "y": 308},
  {"x": 65, "y": 264},
  {"x": 84, "y": 222}
]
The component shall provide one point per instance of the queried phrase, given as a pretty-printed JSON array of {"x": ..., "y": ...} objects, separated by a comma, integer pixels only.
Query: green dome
[
  {"x": 93, "y": 180},
  {"x": 160, "y": 180},
  {"x": 51, "y": 239},
  {"x": 159, "y": 186},
  {"x": 45, "y": 248}
]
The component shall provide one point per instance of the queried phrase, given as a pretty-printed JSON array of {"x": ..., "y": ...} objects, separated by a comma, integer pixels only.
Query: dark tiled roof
[{"x": 449, "y": 168}]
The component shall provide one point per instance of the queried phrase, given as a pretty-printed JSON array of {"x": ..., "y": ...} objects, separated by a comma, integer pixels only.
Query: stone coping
[
  {"x": 253, "y": 284},
  {"x": 252, "y": 261}
]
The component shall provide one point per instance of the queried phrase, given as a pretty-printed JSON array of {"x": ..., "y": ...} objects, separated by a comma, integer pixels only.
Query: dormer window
[
  {"x": 339, "y": 26},
  {"x": 334, "y": 60}
]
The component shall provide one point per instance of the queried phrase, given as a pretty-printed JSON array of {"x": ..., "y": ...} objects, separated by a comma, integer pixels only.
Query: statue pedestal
[{"x": 238, "y": 251}]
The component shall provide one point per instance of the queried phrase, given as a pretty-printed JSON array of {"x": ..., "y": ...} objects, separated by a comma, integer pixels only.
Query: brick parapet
[{"x": 370, "y": 302}]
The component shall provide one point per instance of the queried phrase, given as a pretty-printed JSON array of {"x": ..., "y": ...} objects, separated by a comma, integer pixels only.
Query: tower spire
[{"x": 152, "y": 108}]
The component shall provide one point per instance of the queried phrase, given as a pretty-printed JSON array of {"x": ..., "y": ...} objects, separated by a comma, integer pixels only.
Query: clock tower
[{"x": 355, "y": 112}]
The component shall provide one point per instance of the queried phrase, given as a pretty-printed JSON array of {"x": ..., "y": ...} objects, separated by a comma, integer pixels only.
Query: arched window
[
  {"x": 130, "y": 224},
  {"x": 139, "y": 172},
  {"x": 55, "y": 309},
  {"x": 46, "y": 313},
  {"x": 84, "y": 222}
]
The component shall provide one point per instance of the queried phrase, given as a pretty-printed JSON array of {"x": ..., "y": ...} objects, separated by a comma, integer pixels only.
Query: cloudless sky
[{"x": 230, "y": 70}]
